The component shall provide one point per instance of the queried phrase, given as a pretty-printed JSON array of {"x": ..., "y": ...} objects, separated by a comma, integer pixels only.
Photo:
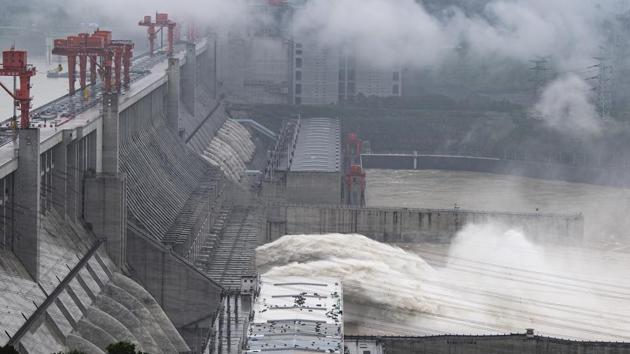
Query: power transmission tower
[
  {"x": 539, "y": 77},
  {"x": 603, "y": 86},
  {"x": 540, "y": 73}
]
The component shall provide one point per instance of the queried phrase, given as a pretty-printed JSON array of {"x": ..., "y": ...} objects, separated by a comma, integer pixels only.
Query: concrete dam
[
  {"x": 137, "y": 185},
  {"x": 138, "y": 219}
]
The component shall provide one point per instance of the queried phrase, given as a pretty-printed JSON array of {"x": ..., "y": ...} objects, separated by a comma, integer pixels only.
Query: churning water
[{"x": 491, "y": 278}]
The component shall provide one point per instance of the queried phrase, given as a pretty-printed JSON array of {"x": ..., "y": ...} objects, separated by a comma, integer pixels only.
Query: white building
[
  {"x": 296, "y": 315},
  {"x": 316, "y": 73},
  {"x": 358, "y": 77},
  {"x": 271, "y": 64}
]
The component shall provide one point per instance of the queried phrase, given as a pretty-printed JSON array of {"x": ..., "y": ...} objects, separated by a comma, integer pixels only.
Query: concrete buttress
[
  {"x": 189, "y": 78},
  {"x": 172, "y": 109},
  {"x": 105, "y": 194},
  {"x": 27, "y": 202}
]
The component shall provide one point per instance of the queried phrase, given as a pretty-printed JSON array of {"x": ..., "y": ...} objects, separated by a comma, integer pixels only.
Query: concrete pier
[
  {"x": 111, "y": 136},
  {"x": 26, "y": 237},
  {"x": 73, "y": 175},
  {"x": 189, "y": 78},
  {"x": 60, "y": 176},
  {"x": 105, "y": 194},
  {"x": 106, "y": 210},
  {"x": 174, "y": 85}
]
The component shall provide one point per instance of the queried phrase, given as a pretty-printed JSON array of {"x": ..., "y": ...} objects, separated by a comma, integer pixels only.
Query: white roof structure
[
  {"x": 318, "y": 146},
  {"x": 297, "y": 315}
]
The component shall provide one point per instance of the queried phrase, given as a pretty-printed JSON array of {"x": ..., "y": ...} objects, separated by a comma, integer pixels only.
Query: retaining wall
[
  {"x": 498, "y": 344},
  {"x": 188, "y": 297},
  {"x": 410, "y": 225}
]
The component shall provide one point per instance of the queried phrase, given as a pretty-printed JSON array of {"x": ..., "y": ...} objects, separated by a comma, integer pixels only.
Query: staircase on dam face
[
  {"x": 164, "y": 178},
  {"x": 66, "y": 317},
  {"x": 62, "y": 246},
  {"x": 196, "y": 214},
  {"x": 234, "y": 254},
  {"x": 236, "y": 316},
  {"x": 211, "y": 243},
  {"x": 80, "y": 302}
]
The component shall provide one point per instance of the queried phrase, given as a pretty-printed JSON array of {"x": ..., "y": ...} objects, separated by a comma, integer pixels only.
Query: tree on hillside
[
  {"x": 8, "y": 350},
  {"x": 122, "y": 348}
]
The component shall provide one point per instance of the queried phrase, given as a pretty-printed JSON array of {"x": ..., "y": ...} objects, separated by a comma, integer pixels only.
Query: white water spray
[
  {"x": 230, "y": 149},
  {"x": 492, "y": 280}
]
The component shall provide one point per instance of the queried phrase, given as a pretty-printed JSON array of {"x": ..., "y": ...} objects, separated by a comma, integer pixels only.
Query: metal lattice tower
[
  {"x": 539, "y": 78},
  {"x": 603, "y": 86}
]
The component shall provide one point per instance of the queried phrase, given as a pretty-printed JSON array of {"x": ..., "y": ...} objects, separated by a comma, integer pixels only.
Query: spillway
[
  {"x": 491, "y": 280},
  {"x": 230, "y": 150}
]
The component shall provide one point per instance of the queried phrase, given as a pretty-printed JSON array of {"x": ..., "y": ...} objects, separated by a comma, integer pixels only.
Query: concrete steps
[
  {"x": 209, "y": 246},
  {"x": 162, "y": 174},
  {"x": 61, "y": 248},
  {"x": 195, "y": 212},
  {"x": 74, "y": 302},
  {"x": 234, "y": 256},
  {"x": 19, "y": 295}
]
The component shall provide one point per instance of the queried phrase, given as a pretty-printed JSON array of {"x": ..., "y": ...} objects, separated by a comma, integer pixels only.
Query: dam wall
[
  {"x": 488, "y": 344},
  {"x": 80, "y": 299},
  {"x": 119, "y": 174},
  {"x": 409, "y": 225},
  {"x": 174, "y": 200},
  {"x": 523, "y": 168},
  {"x": 189, "y": 296}
]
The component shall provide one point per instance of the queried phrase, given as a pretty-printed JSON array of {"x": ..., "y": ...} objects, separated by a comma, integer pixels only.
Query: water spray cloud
[{"x": 492, "y": 280}]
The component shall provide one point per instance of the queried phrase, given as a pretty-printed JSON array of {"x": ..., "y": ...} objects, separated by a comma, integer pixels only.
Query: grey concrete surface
[
  {"x": 409, "y": 225},
  {"x": 105, "y": 208},
  {"x": 174, "y": 96},
  {"x": 27, "y": 202}
]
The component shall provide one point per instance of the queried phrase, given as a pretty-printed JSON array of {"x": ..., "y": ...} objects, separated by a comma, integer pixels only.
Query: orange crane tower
[
  {"x": 105, "y": 55},
  {"x": 153, "y": 28},
  {"x": 14, "y": 63}
]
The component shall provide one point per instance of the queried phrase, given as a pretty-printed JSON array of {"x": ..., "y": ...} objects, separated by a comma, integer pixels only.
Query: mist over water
[
  {"x": 604, "y": 208},
  {"x": 491, "y": 280}
]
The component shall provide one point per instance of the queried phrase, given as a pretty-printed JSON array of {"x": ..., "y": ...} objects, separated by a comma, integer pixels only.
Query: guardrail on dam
[
  {"x": 531, "y": 169},
  {"x": 410, "y": 225}
]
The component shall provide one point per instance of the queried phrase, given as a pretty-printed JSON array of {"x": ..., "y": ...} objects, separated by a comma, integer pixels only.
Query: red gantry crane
[
  {"x": 14, "y": 64},
  {"x": 102, "y": 52},
  {"x": 153, "y": 28}
]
